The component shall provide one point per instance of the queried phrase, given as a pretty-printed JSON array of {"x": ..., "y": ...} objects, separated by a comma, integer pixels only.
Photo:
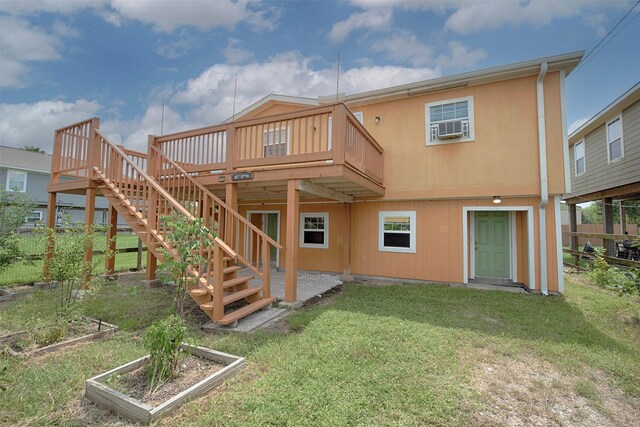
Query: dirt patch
[
  {"x": 192, "y": 370},
  {"x": 524, "y": 391}
]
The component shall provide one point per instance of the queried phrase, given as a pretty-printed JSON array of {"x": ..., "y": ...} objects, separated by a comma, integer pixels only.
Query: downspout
[{"x": 544, "y": 182}]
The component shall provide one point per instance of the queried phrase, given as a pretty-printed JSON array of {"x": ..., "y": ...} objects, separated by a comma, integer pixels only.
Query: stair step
[
  {"x": 236, "y": 296},
  {"x": 198, "y": 292},
  {"x": 227, "y": 270},
  {"x": 237, "y": 281},
  {"x": 245, "y": 311}
]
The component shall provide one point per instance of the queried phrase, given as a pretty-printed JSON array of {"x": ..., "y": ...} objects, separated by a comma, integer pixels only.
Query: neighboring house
[
  {"x": 29, "y": 172},
  {"x": 564, "y": 214},
  {"x": 604, "y": 158},
  {"x": 456, "y": 179}
]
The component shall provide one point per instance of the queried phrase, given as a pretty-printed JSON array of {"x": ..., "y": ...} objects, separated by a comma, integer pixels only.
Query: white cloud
[
  {"x": 20, "y": 45},
  {"x": 63, "y": 30},
  {"x": 180, "y": 47},
  {"x": 375, "y": 19},
  {"x": 405, "y": 47},
  {"x": 33, "y": 124},
  {"x": 166, "y": 16},
  {"x": 235, "y": 53},
  {"x": 459, "y": 56},
  {"x": 577, "y": 123}
]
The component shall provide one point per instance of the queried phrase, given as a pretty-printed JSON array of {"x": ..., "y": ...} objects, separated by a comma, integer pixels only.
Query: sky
[{"x": 63, "y": 61}]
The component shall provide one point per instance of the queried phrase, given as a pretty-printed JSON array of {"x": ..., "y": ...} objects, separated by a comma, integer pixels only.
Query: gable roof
[
  {"x": 17, "y": 158},
  {"x": 609, "y": 112},
  {"x": 272, "y": 99}
]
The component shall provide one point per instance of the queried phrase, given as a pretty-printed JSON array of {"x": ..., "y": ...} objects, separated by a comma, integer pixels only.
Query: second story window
[
  {"x": 615, "y": 147},
  {"x": 16, "y": 181},
  {"x": 579, "y": 155},
  {"x": 450, "y": 121},
  {"x": 274, "y": 142}
]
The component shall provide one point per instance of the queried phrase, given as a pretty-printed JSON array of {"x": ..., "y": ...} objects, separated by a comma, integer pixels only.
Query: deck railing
[
  {"x": 328, "y": 133},
  {"x": 72, "y": 150}
]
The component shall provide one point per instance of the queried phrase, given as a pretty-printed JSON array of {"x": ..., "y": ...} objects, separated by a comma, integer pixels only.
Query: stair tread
[
  {"x": 235, "y": 282},
  {"x": 198, "y": 292},
  {"x": 236, "y": 296},
  {"x": 227, "y": 270},
  {"x": 245, "y": 311}
]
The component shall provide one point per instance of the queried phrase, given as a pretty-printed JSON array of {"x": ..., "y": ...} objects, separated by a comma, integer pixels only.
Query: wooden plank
[
  {"x": 293, "y": 234},
  {"x": 309, "y": 187},
  {"x": 602, "y": 235},
  {"x": 618, "y": 192},
  {"x": 283, "y": 160},
  {"x": 610, "y": 259}
]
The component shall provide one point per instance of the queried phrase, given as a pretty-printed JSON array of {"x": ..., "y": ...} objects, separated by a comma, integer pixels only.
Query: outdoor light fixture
[
  {"x": 496, "y": 200},
  {"x": 377, "y": 119}
]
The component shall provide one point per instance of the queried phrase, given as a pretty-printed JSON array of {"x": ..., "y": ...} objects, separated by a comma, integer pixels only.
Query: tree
[
  {"x": 14, "y": 208},
  {"x": 592, "y": 214},
  {"x": 34, "y": 149}
]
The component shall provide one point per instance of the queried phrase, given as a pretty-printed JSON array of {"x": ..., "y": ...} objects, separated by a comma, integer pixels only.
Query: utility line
[{"x": 588, "y": 57}]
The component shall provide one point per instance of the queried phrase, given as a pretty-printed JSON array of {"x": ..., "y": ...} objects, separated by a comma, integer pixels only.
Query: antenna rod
[
  {"x": 338, "y": 79},
  {"x": 162, "y": 119},
  {"x": 235, "y": 91}
]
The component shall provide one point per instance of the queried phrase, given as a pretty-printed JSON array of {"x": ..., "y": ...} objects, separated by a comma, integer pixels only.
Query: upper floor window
[
  {"x": 615, "y": 144},
  {"x": 450, "y": 121},
  {"x": 16, "y": 180},
  {"x": 397, "y": 231},
  {"x": 274, "y": 142},
  {"x": 314, "y": 230},
  {"x": 579, "y": 155}
]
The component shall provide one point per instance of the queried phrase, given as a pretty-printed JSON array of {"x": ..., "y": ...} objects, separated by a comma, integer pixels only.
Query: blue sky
[{"x": 65, "y": 60}]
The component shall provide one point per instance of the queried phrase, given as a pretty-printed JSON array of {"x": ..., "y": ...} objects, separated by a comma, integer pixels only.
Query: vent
[{"x": 449, "y": 130}]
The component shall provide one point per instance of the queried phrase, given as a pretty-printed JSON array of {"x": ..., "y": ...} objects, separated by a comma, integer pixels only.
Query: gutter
[{"x": 544, "y": 181}]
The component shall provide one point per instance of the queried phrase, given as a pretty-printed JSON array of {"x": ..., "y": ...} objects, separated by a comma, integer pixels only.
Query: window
[
  {"x": 314, "y": 230},
  {"x": 16, "y": 181},
  {"x": 579, "y": 155},
  {"x": 397, "y": 232},
  {"x": 450, "y": 121},
  {"x": 34, "y": 216},
  {"x": 615, "y": 147},
  {"x": 274, "y": 142}
]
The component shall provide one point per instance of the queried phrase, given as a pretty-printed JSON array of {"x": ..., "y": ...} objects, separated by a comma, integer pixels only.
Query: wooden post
[
  {"x": 218, "y": 282},
  {"x": 152, "y": 217},
  {"x": 231, "y": 147},
  {"x": 573, "y": 227},
  {"x": 51, "y": 225},
  {"x": 112, "y": 232},
  {"x": 93, "y": 151},
  {"x": 293, "y": 235},
  {"x": 55, "y": 159},
  {"x": 139, "y": 260},
  {"x": 89, "y": 217},
  {"x": 231, "y": 199},
  {"x": 266, "y": 269},
  {"x": 623, "y": 218},
  {"x": 338, "y": 132},
  {"x": 346, "y": 243},
  {"x": 607, "y": 220}
]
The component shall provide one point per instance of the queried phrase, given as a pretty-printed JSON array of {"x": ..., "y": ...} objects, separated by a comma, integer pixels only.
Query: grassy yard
[
  {"x": 29, "y": 272},
  {"x": 371, "y": 355}
]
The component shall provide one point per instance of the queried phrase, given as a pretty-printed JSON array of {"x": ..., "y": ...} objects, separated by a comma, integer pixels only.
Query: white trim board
[
  {"x": 530, "y": 238},
  {"x": 513, "y": 258}
]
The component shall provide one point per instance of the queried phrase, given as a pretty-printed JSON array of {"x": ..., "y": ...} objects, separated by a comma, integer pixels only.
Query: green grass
[
  {"x": 30, "y": 272},
  {"x": 391, "y": 355}
]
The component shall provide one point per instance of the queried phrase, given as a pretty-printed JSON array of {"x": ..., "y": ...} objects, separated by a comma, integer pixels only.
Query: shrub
[
  {"x": 613, "y": 278},
  {"x": 163, "y": 340},
  {"x": 14, "y": 207}
]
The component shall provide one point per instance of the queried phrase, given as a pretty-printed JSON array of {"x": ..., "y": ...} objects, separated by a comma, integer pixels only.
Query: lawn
[
  {"x": 370, "y": 355},
  {"x": 30, "y": 272}
]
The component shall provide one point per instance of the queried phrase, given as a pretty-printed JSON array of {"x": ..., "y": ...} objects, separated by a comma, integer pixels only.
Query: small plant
[
  {"x": 163, "y": 340},
  {"x": 613, "y": 278},
  {"x": 186, "y": 237},
  {"x": 14, "y": 208}
]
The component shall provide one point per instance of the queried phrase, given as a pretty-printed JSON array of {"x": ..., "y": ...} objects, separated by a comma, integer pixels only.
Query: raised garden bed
[
  {"x": 139, "y": 407},
  {"x": 90, "y": 330}
]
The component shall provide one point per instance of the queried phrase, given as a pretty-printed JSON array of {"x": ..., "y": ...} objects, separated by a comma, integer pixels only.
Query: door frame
[
  {"x": 513, "y": 258},
  {"x": 260, "y": 211},
  {"x": 468, "y": 231}
]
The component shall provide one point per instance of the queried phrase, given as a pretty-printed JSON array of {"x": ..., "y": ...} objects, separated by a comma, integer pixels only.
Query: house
[
  {"x": 604, "y": 159},
  {"x": 455, "y": 179},
  {"x": 564, "y": 215},
  {"x": 29, "y": 172}
]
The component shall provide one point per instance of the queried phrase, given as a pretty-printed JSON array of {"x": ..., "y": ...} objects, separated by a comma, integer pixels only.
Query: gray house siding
[{"x": 599, "y": 173}]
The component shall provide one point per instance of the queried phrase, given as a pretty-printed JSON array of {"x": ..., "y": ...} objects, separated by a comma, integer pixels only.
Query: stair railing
[
  {"x": 150, "y": 201},
  {"x": 225, "y": 222}
]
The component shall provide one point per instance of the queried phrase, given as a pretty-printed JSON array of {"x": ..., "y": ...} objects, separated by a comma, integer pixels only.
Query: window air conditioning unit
[{"x": 452, "y": 129}]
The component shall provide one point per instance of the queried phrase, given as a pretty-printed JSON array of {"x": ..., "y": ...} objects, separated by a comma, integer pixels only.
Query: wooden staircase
[{"x": 142, "y": 200}]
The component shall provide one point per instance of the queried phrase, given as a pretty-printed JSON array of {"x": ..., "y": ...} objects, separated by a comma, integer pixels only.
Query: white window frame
[
  {"x": 265, "y": 140},
  {"x": 24, "y": 182},
  {"x": 584, "y": 158},
  {"x": 471, "y": 122},
  {"x": 325, "y": 216},
  {"x": 33, "y": 214},
  {"x": 412, "y": 231},
  {"x": 606, "y": 131}
]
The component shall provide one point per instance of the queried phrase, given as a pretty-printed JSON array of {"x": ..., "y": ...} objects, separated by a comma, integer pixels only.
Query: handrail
[
  {"x": 226, "y": 248},
  {"x": 216, "y": 199}
]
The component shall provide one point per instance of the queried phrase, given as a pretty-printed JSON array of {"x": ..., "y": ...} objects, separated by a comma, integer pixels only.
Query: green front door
[
  {"x": 492, "y": 248},
  {"x": 272, "y": 231}
]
